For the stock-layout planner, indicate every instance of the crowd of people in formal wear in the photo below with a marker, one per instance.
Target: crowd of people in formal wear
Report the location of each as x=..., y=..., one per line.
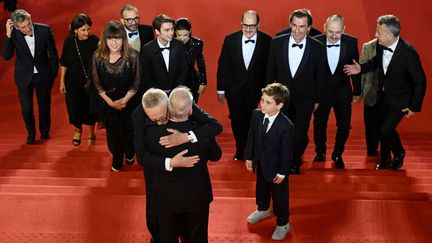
x=142, y=84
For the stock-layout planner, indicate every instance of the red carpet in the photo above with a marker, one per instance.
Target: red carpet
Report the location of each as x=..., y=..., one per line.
x=54, y=192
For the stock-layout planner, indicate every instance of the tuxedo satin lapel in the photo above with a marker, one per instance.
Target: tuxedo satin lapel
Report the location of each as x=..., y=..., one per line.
x=240, y=50
x=305, y=57
x=257, y=46
x=396, y=55
x=21, y=40
x=172, y=57
x=342, y=53
x=159, y=57
x=285, y=54
x=379, y=55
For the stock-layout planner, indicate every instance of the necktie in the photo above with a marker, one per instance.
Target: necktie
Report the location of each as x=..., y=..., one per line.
x=131, y=34
x=335, y=45
x=299, y=45
x=164, y=48
x=386, y=48
x=247, y=41
x=265, y=125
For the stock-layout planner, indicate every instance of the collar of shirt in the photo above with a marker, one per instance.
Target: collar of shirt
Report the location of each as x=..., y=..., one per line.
x=162, y=46
x=337, y=43
x=393, y=46
x=133, y=37
x=292, y=41
x=271, y=119
x=244, y=38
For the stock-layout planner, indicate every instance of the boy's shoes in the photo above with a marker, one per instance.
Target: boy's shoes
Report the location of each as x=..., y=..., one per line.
x=256, y=216
x=281, y=231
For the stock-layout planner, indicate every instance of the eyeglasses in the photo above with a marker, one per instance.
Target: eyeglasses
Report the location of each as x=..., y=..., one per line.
x=250, y=26
x=159, y=121
x=132, y=20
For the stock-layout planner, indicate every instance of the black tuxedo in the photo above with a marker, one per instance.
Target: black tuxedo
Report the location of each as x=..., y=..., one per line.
x=180, y=197
x=242, y=86
x=208, y=129
x=271, y=154
x=403, y=86
x=155, y=73
x=305, y=87
x=46, y=62
x=338, y=93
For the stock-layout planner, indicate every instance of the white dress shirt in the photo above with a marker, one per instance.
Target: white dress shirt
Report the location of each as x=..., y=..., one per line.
x=295, y=55
x=387, y=55
x=30, y=40
x=248, y=49
x=333, y=54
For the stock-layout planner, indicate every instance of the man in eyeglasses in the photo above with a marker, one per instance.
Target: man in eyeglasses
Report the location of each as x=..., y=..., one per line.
x=241, y=75
x=138, y=34
x=36, y=67
x=297, y=61
x=154, y=112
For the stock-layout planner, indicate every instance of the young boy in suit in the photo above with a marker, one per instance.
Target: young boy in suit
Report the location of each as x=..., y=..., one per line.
x=268, y=153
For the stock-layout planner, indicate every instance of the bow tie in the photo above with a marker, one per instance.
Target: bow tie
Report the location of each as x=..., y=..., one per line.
x=164, y=48
x=299, y=45
x=387, y=48
x=335, y=45
x=247, y=41
x=131, y=34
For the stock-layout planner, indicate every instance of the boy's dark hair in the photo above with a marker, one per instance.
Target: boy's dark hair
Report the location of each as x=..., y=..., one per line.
x=160, y=19
x=277, y=91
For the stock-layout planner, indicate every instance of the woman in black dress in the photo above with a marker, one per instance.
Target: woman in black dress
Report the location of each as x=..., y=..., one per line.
x=196, y=79
x=78, y=48
x=116, y=76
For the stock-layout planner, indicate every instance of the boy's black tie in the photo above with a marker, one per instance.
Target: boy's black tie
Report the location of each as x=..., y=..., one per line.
x=265, y=125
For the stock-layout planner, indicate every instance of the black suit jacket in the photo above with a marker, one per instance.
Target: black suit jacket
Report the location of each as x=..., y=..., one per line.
x=339, y=81
x=232, y=76
x=145, y=33
x=155, y=74
x=182, y=189
x=308, y=83
x=271, y=151
x=45, y=60
x=209, y=128
x=405, y=80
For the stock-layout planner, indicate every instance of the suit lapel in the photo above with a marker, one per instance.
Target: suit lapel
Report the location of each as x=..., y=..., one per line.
x=255, y=52
x=20, y=38
x=272, y=131
x=240, y=50
x=172, y=54
x=396, y=55
x=342, y=53
x=285, y=54
x=158, y=56
x=305, y=57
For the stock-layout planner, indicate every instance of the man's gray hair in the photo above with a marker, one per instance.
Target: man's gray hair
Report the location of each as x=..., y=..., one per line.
x=180, y=103
x=19, y=16
x=391, y=22
x=154, y=97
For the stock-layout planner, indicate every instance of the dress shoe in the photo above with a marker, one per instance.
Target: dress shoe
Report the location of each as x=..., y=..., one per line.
x=45, y=136
x=397, y=162
x=319, y=158
x=382, y=164
x=30, y=140
x=339, y=163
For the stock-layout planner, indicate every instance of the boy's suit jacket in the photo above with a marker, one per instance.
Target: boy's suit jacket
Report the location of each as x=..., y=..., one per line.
x=271, y=151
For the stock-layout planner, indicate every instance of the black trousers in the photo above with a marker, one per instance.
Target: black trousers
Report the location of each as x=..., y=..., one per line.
x=43, y=96
x=191, y=226
x=240, y=111
x=279, y=193
x=390, y=119
x=300, y=114
x=342, y=110
x=119, y=133
x=371, y=116
x=151, y=218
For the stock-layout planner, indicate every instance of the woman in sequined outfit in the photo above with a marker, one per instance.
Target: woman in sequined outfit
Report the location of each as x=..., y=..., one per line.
x=196, y=77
